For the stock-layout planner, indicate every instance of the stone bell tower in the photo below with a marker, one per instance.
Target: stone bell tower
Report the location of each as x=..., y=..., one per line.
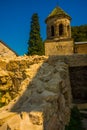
x=59, y=41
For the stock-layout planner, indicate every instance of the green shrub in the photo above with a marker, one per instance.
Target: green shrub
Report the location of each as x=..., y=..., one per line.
x=75, y=120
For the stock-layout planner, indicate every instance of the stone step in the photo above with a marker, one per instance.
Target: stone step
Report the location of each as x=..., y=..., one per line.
x=84, y=113
x=84, y=121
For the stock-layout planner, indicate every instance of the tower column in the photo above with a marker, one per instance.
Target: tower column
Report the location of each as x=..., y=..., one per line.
x=70, y=31
x=65, y=30
x=56, y=31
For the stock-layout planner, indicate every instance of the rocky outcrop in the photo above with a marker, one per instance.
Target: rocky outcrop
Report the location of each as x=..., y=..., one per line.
x=39, y=94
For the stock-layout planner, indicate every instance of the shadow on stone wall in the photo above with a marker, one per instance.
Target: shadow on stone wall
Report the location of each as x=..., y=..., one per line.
x=44, y=99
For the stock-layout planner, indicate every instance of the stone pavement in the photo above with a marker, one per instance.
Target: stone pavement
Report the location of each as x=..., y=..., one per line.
x=84, y=121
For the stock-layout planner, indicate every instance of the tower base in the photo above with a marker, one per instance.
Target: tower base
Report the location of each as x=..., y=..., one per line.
x=59, y=47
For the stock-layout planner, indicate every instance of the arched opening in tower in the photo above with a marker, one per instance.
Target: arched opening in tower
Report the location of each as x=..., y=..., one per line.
x=52, y=30
x=61, y=29
x=68, y=32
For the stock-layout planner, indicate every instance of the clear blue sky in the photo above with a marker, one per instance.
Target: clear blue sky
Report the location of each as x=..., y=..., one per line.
x=15, y=17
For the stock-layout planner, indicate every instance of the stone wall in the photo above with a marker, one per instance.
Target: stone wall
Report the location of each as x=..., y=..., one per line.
x=78, y=75
x=37, y=93
x=81, y=48
x=5, y=51
x=67, y=47
x=74, y=60
x=59, y=47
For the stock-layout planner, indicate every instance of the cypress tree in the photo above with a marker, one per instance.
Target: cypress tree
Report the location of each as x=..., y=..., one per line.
x=35, y=44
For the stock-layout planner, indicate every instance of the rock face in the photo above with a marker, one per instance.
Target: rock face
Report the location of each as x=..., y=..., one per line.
x=39, y=94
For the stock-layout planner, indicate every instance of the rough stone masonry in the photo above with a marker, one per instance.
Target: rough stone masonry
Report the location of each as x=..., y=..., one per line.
x=36, y=92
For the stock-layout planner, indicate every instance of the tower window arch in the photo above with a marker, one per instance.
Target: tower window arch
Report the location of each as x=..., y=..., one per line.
x=52, y=30
x=68, y=28
x=61, y=29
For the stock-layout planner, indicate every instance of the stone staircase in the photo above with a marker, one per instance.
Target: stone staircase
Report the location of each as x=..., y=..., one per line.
x=83, y=110
x=84, y=121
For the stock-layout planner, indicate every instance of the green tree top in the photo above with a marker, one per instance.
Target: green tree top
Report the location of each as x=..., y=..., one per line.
x=35, y=44
x=79, y=33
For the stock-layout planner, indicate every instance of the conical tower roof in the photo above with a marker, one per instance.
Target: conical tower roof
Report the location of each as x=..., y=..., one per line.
x=58, y=12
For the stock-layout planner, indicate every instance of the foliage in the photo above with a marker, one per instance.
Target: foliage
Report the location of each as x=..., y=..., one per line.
x=75, y=120
x=35, y=44
x=79, y=33
x=1, y=104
